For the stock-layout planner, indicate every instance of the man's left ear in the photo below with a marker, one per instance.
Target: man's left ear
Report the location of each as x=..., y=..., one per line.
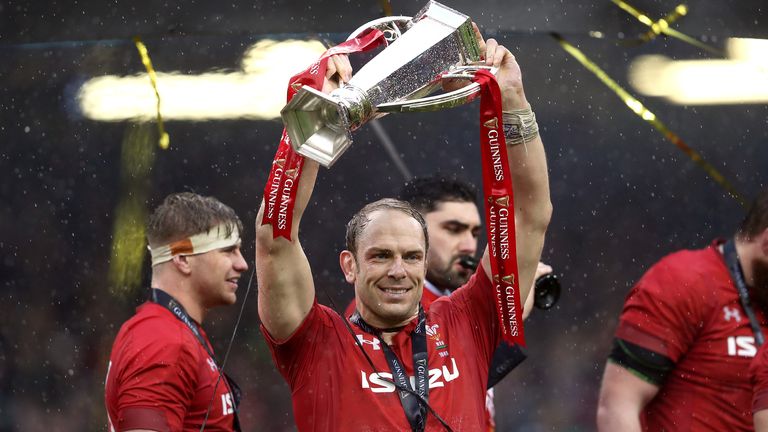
x=181, y=262
x=348, y=265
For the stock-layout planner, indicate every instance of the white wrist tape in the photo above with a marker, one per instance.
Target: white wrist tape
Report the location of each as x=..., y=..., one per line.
x=520, y=126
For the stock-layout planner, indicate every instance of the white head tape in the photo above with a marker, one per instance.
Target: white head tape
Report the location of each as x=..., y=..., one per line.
x=214, y=238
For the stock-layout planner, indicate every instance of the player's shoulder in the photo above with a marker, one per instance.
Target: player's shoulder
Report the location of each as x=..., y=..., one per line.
x=686, y=257
x=155, y=329
x=688, y=264
x=690, y=275
x=325, y=316
x=155, y=317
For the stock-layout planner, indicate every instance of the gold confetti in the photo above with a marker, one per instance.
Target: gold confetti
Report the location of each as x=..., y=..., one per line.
x=164, y=140
x=662, y=26
x=638, y=108
x=386, y=7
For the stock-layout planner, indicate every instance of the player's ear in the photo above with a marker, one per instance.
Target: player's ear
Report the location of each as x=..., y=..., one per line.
x=181, y=262
x=348, y=265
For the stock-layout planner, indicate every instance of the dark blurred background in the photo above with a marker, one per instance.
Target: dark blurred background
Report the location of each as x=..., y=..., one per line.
x=74, y=190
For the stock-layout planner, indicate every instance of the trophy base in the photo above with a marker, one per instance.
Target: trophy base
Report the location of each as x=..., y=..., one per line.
x=317, y=125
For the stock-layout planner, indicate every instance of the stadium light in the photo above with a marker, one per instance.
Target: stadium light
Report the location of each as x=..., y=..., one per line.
x=257, y=91
x=740, y=79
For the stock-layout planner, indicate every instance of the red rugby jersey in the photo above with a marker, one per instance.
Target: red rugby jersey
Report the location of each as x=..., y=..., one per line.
x=687, y=308
x=334, y=388
x=161, y=378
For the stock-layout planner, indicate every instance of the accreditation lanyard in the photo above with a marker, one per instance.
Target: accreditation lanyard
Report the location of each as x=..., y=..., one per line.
x=737, y=274
x=415, y=411
x=165, y=300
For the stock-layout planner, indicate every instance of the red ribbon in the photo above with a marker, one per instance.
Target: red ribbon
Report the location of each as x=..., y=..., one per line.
x=283, y=181
x=499, y=210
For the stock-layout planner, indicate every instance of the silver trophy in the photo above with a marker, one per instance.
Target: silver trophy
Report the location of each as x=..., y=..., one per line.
x=437, y=43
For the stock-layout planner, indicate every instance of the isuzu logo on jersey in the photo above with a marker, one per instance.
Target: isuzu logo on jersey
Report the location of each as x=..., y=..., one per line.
x=227, y=407
x=742, y=346
x=382, y=382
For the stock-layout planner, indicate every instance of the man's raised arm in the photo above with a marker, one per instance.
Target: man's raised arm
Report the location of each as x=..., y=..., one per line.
x=528, y=169
x=286, y=287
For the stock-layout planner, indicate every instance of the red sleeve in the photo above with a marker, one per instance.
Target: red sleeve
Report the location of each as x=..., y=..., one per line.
x=758, y=371
x=664, y=310
x=295, y=355
x=476, y=299
x=158, y=383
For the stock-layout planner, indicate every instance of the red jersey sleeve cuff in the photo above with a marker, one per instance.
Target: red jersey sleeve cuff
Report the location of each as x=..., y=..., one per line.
x=760, y=401
x=142, y=418
x=630, y=333
x=299, y=330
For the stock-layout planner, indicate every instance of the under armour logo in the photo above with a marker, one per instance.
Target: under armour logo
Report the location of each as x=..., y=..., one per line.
x=375, y=342
x=729, y=313
x=212, y=364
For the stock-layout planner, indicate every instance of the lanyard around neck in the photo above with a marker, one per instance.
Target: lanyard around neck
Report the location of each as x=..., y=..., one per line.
x=165, y=300
x=737, y=274
x=415, y=411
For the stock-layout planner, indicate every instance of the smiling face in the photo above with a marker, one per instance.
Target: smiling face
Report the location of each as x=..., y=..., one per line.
x=453, y=229
x=214, y=275
x=388, y=268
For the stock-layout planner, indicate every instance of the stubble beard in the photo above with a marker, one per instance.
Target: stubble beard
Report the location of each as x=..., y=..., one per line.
x=448, y=278
x=385, y=314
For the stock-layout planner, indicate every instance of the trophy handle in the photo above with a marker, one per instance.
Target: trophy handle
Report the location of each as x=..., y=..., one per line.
x=392, y=27
x=441, y=101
